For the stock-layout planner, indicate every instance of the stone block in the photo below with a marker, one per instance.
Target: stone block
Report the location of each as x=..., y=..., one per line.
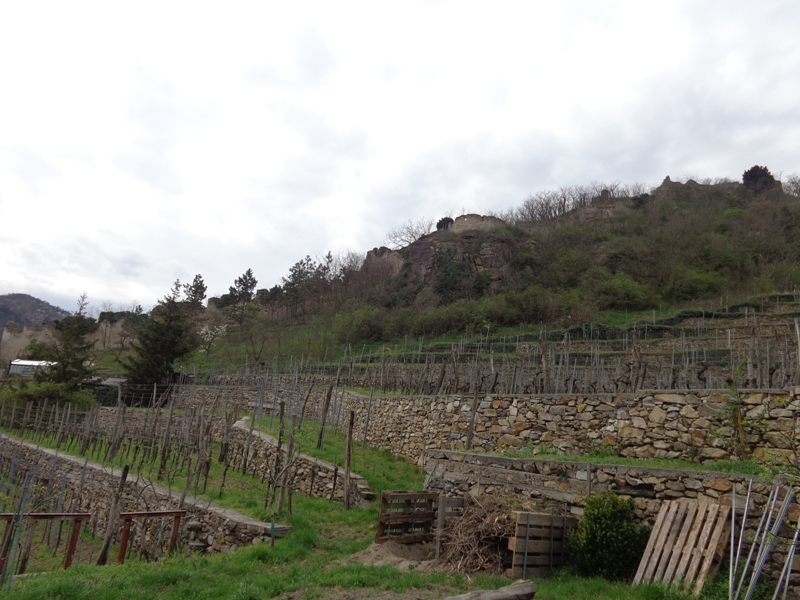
x=670, y=398
x=753, y=398
x=689, y=412
x=629, y=432
x=780, y=412
x=509, y=440
x=719, y=484
x=658, y=415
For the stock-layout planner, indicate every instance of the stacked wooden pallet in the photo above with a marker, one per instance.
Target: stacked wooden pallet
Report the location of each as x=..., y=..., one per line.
x=686, y=544
x=539, y=543
x=407, y=517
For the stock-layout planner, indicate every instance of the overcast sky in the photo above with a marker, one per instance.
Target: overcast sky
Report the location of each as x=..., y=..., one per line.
x=142, y=142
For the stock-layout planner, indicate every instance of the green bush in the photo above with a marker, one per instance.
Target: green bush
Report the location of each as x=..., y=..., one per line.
x=608, y=542
x=621, y=291
x=23, y=391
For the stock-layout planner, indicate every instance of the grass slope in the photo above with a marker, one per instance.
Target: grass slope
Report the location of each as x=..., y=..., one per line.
x=307, y=562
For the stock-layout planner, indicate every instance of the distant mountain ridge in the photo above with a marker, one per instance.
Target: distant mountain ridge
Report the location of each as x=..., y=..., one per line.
x=24, y=309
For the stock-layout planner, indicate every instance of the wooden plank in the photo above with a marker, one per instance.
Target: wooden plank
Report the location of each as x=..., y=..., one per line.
x=518, y=545
x=662, y=514
x=454, y=502
x=688, y=524
x=542, y=532
x=721, y=527
x=697, y=553
x=400, y=528
x=669, y=545
x=409, y=506
x=531, y=572
x=381, y=527
x=542, y=520
x=394, y=496
x=155, y=513
x=537, y=560
x=691, y=541
x=658, y=547
x=414, y=517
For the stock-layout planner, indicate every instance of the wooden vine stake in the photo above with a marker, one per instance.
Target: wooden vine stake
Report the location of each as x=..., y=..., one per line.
x=325, y=408
x=347, y=459
x=111, y=523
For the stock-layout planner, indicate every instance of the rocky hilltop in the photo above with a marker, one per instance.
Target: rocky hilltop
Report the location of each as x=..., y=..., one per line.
x=24, y=309
x=623, y=251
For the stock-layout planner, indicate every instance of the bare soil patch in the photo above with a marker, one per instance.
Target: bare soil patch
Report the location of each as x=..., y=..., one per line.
x=418, y=557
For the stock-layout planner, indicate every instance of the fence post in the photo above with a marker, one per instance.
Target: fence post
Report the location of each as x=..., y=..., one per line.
x=73, y=542
x=123, y=540
x=474, y=410
x=440, y=521
x=173, y=538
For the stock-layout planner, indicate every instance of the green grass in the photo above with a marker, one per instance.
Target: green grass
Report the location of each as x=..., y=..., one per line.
x=375, y=393
x=738, y=467
x=308, y=561
x=382, y=469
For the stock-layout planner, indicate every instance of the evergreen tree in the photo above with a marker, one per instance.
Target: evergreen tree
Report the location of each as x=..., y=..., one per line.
x=70, y=350
x=241, y=292
x=195, y=293
x=244, y=287
x=164, y=339
x=758, y=178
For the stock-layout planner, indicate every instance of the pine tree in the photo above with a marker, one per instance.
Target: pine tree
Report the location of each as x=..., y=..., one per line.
x=70, y=350
x=164, y=339
x=195, y=293
x=241, y=292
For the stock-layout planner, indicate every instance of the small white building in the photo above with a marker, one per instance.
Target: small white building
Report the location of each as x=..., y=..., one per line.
x=27, y=368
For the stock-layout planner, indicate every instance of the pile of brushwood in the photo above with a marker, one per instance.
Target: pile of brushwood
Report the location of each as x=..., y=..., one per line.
x=477, y=540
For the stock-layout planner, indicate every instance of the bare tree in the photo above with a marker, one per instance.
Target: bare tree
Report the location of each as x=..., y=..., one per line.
x=792, y=184
x=106, y=320
x=408, y=232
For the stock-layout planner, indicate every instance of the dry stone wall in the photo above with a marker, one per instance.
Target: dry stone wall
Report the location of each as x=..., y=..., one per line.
x=569, y=482
x=309, y=475
x=683, y=425
x=206, y=526
x=689, y=425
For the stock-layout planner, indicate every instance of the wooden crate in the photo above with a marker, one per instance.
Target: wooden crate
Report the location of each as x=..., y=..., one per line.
x=407, y=517
x=539, y=543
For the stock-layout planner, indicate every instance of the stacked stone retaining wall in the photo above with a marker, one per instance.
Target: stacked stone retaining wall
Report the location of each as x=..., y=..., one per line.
x=308, y=475
x=689, y=425
x=570, y=482
x=206, y=526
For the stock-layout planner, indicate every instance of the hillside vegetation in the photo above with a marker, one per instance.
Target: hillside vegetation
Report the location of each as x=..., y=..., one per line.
x=599, y=255
x=23, y=309
x=562, y=257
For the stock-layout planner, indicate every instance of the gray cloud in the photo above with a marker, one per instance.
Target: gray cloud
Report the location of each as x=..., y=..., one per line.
x=710, y=90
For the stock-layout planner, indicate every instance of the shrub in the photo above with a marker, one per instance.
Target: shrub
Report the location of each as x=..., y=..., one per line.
x=444, y=223
x=608, y=542
x=621, y=291
x=758, y=178
x=22, y=391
